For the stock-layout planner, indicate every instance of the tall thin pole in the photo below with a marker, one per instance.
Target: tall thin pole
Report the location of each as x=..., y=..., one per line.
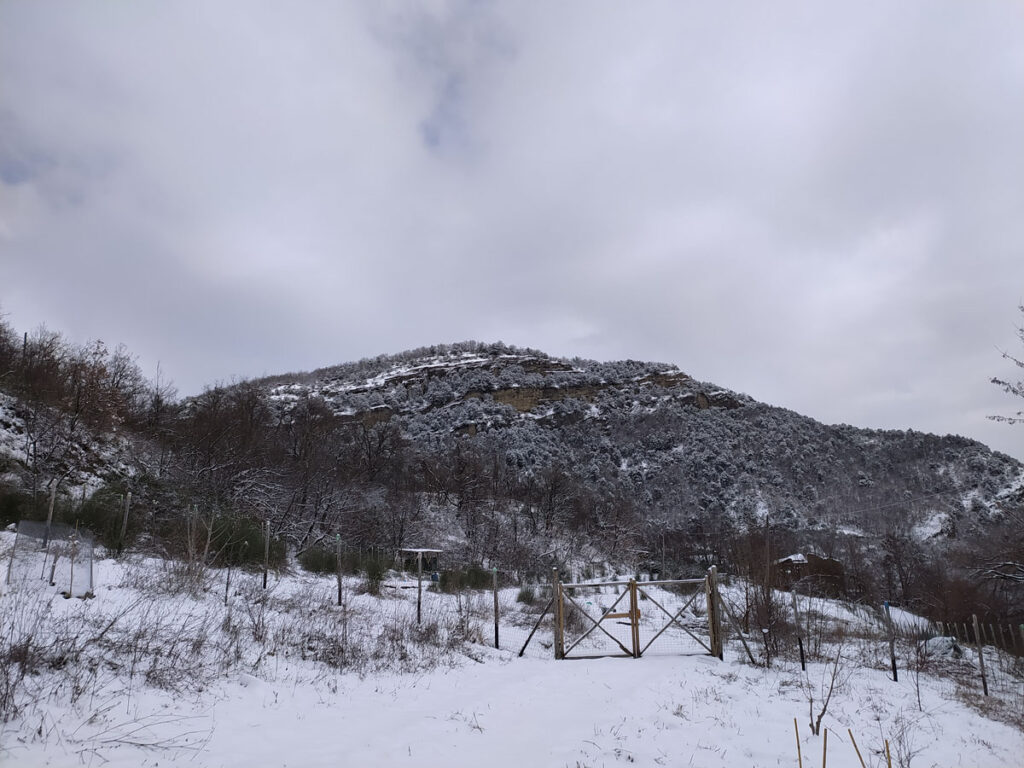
x=799, y=631
x=892, y=643
x=266, y=553
x=49, y=516
x=981, y=655
x=419, y=587
x=495, y=607
x=337, y=555
x=713, y=611
x=71, y=579
x=556, y=596
x=124, y=521
x=10, y=565
x=664, y=566
x=634, y=618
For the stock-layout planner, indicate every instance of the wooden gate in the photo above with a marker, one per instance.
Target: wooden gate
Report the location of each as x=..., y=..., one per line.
x=671, y=616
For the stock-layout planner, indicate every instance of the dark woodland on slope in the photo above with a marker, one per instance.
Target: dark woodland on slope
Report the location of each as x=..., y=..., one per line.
x=508, y=458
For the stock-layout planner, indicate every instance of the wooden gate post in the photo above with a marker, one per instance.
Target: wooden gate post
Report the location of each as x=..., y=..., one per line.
x=714, y=614
x=634, y=618
x=556, y=596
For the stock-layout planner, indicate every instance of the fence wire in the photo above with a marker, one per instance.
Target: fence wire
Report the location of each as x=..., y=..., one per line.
x=54, y=556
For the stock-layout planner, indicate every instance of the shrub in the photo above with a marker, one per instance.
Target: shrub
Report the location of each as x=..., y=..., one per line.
x=527, y=595
x=574, y=621
x=351, y=563
x=473, y=577
x=240, y=542
x=375, y=570
x=103, y=513
x=319, y=560
x=14, y=506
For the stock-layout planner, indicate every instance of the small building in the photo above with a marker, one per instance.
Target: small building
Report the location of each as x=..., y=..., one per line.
x=810, y=573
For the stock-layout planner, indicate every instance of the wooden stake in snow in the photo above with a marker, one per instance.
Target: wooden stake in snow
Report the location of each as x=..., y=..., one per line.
x=981, y=655
x=799, y=757
x=824, y=749
x=495, y=571
x=856, y=748
x=888, y=757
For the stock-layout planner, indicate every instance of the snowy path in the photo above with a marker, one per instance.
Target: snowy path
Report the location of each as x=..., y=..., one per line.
x=525, y=712
x=513, y=713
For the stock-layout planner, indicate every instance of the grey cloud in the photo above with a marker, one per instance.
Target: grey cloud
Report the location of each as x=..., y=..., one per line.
x=816, y=205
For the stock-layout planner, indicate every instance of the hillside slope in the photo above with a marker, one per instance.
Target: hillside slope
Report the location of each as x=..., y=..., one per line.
x=686, y=451
x=510, y=457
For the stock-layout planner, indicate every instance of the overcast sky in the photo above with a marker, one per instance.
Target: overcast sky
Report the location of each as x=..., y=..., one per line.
x=820, y=207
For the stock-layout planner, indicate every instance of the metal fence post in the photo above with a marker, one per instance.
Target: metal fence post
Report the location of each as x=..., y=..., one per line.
x=981, y=655
x=266, y=553
x=714, y=613
x=495, y=572
x=419, y=587
x=892, y=642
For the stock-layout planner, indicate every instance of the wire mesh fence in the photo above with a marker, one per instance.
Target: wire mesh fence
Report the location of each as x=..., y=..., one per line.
x=978, y=658
x=52, y=556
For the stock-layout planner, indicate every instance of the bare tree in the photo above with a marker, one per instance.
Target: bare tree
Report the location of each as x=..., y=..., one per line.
x=1007, y=562
x=833, y=677
x=1012, y=387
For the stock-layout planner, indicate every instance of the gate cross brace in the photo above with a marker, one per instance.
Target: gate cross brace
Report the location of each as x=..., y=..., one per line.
x=673, y=620
x=597, y=625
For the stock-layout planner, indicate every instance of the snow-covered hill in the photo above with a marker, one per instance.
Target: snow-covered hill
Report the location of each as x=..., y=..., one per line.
x=683, y=450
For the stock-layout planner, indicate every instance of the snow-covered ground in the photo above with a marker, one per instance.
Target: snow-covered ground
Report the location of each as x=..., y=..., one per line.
x=263, y=687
